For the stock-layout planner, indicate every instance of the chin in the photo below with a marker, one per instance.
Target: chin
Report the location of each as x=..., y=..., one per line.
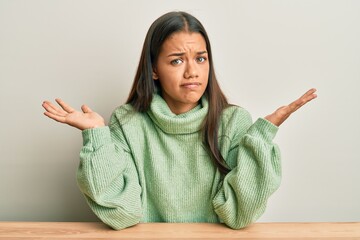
x=192, y=99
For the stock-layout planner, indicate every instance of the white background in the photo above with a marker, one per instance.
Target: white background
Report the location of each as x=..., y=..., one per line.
x=266, y=54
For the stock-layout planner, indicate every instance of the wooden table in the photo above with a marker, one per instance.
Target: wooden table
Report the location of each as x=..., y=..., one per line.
x=94, y=230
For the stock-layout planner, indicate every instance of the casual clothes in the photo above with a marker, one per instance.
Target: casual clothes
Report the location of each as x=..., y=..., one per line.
x=153, y=167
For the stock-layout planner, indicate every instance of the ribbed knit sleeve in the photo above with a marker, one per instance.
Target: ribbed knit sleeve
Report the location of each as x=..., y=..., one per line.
x=108, y=178
x=245, y=190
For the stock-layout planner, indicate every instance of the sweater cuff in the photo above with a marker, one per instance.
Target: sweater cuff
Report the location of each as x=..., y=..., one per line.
x=96, y=137
x=264, y=129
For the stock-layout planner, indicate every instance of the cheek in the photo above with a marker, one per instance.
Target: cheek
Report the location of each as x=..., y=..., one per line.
x=171, y=74
x=168, y=80
x=206, y=74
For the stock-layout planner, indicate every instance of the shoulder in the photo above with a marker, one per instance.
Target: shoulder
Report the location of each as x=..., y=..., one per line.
x=124, y=114
x=123, y=110
x=235, y=114
x=234, y=122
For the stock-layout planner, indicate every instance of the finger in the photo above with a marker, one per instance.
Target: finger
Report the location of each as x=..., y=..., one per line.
x=86, y=109
x=307, y=97
x=311, y=94
x=51, y=108
x=55, y=117
x=65, y=106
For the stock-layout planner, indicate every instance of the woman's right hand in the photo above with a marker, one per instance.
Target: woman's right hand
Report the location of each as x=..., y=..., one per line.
x=66, y=114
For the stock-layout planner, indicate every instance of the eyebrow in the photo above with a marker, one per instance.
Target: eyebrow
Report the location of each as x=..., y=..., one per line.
x=182, y=53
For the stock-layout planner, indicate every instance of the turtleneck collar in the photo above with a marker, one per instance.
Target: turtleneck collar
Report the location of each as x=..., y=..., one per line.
x=171, y=123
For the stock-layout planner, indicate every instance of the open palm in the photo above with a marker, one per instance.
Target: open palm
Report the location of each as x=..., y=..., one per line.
x=68, y=115
x=282, y=113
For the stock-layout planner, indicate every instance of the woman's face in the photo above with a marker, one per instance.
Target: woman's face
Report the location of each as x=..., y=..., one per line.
x=182, y=68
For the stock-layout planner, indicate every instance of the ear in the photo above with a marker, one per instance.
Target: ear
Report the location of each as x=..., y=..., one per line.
x=154, y=74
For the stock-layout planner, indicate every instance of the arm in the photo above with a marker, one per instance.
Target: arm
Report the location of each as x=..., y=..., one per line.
x=108, y=179
x=245, y=190
x=106, y=175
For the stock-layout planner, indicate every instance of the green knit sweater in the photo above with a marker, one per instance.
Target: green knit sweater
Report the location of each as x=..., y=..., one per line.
x=153, y=167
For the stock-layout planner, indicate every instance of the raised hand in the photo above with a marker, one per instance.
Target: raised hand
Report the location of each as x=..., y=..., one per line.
x=282, y=113
x=66, y=114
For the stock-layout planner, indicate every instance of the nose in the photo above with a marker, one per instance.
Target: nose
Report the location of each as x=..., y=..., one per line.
x=190, y=71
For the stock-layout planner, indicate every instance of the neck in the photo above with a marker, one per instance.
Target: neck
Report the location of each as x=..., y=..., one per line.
x=188, y=122
x=180, y=109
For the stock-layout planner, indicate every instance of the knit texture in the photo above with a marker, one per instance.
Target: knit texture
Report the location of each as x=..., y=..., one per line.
x=153, y=167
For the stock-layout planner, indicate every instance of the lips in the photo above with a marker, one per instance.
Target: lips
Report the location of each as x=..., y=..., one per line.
x=191, y=84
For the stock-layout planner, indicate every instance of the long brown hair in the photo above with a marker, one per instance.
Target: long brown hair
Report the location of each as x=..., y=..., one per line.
x=144, y=86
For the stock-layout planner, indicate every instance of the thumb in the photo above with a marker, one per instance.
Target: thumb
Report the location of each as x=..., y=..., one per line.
x=86, y=109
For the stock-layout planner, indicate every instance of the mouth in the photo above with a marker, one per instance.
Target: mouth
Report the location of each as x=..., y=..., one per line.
x=191, y=85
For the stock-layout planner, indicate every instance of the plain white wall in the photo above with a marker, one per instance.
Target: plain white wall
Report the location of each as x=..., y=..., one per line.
x=267, y=53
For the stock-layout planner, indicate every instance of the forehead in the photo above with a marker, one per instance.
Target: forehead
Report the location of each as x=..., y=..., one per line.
x=182, y=41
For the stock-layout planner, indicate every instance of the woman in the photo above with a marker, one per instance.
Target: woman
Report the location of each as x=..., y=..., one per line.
x=177, y=151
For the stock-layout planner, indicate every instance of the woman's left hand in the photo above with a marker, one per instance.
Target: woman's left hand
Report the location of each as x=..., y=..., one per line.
x=282, y=113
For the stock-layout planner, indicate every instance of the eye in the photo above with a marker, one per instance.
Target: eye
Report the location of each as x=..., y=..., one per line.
x=201, y=59
x=176, y=62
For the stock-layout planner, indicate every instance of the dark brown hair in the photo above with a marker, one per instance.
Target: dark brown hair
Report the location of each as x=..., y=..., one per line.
x=144, y=86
